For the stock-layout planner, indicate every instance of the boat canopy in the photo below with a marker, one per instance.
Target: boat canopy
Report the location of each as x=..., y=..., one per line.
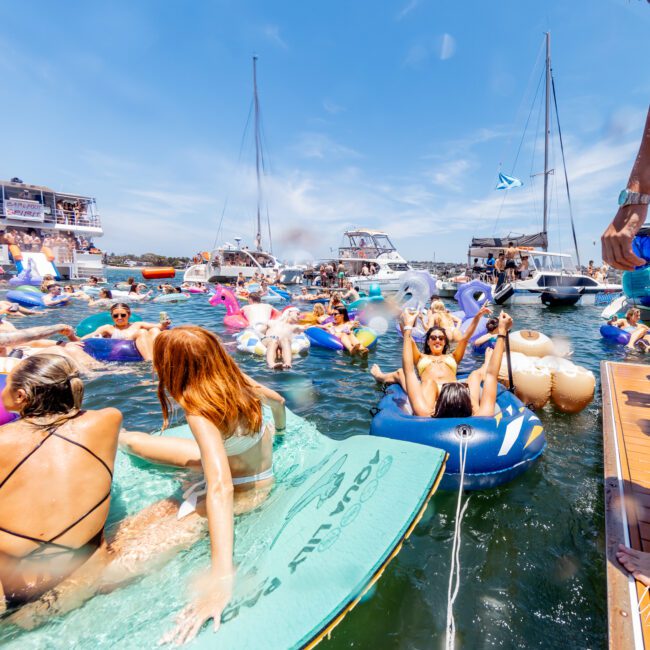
x=537, y=240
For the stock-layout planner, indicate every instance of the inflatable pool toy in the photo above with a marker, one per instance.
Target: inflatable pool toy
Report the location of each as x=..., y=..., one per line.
x=615, y=334
x=323, y=339
x=171, y=297
x=569, y=387
x=195, y=290
x=91, y=323
x=250, y=341
x=285, y=295
x=158, y=273
x=500, y=447
x=234, y=317
x=531, y=343
x=338, y=514
x=374, y=296
x=415, y=290
x=112, y=350
x=29, y=288
x=573, y=388
x=472, y=296
x=33, y=299
x=27, y=276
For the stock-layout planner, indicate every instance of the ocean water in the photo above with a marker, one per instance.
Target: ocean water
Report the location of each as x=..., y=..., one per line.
x=532, y=552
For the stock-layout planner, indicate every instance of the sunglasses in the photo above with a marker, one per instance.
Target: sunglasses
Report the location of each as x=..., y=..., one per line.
x=114, y=316
x=437, y=337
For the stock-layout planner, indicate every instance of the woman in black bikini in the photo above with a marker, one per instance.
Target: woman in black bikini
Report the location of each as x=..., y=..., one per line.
x=52, y=514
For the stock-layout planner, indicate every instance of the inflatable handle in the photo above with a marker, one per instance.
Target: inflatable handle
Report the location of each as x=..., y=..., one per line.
x=465, y=296
x=112, y=350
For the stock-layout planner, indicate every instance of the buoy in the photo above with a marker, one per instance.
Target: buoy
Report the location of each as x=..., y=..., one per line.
x=531, y=343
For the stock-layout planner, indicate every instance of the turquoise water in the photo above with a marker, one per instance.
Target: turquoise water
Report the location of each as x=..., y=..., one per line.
x=532, y=551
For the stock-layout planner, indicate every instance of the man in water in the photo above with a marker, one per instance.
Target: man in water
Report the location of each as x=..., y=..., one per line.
x=257, y=313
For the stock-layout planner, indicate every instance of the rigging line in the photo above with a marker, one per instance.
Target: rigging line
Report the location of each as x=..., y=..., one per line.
x=523, y=135
x=223, y=212
x=521, y=141
x=566, y=177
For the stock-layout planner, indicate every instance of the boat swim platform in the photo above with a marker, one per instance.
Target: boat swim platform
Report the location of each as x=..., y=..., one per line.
x=626, y=442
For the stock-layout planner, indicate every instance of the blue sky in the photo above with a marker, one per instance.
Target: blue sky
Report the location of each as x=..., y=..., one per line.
x=392, y=115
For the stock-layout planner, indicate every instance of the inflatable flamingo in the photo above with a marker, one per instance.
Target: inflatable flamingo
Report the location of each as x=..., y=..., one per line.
x=234, y=317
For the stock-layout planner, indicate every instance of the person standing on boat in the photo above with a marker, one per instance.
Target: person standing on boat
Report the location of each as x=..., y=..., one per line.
x=632, y=212
x=523, y=269
x=500, y=268
x=511, y=265
x=489, y=267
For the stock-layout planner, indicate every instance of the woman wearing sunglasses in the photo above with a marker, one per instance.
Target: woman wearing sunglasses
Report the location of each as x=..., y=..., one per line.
x=436, y=364
x=142, y=333
x=454, y=399
x=343, y=329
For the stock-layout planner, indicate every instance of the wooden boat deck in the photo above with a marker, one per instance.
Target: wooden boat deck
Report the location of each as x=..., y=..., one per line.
x=626, y=441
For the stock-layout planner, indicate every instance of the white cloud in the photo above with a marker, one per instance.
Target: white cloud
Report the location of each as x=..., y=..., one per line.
x=407, y=9
x=320, y=146
x=272, y=33
x=332, y=107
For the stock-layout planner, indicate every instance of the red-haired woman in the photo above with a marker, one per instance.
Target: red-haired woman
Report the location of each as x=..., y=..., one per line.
x=231, y=445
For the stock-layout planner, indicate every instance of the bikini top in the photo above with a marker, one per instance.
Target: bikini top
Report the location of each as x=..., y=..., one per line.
x=236, y=445
x=45, y=543
x=426, y=360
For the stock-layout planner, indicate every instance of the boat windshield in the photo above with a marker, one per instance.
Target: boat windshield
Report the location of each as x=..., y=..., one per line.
x=366, y=245
x=553, y=263
x=243, y=257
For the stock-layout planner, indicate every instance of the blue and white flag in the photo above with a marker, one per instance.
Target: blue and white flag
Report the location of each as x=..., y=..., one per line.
x=507, y=182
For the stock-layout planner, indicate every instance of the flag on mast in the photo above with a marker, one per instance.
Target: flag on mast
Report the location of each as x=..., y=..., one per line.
x=507, y=182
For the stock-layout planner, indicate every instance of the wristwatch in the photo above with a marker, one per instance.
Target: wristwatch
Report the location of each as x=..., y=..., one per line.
x=626, y=197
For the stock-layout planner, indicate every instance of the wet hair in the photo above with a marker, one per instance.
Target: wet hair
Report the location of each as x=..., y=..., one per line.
x=344, y=312
x=107, y=294
x=255, y=296
x=425, y=346
x=120, y=305
x=130, y=280
x=133, y=288
x=51, y=384
x=438, y=305
x=195, y=370
x=454, y=401
x=491, y=324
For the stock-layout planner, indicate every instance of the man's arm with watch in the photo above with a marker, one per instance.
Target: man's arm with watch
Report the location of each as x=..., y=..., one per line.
x=633, y=209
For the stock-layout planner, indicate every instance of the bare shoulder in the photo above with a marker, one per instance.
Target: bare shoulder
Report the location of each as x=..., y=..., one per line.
x=110, y=417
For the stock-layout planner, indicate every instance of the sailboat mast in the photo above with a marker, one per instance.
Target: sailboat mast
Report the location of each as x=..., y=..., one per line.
x=547, y=128
x=256, y=103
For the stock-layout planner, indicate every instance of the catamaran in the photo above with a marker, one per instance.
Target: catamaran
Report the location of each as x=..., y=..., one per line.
x=550, y=276
x=48, y=231
x=226, y=263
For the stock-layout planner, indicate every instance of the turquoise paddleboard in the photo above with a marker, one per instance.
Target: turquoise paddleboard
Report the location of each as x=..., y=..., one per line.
x=337, y=515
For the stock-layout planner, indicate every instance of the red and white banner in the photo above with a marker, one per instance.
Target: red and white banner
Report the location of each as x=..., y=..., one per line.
x=25, y=209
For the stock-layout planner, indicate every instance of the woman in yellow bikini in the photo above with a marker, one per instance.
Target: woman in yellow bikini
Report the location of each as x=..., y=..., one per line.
x=435, y=364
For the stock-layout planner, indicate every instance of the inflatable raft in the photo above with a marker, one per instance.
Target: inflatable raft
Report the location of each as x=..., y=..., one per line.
x=338, y=514
x=500, y=447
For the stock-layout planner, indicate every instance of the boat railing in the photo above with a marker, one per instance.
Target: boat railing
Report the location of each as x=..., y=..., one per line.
x=61, y=217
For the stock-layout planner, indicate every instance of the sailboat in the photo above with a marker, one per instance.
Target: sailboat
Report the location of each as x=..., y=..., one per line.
x=226, y=263
x=551, y=278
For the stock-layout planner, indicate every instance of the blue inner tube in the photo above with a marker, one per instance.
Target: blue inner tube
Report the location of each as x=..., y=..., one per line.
x=89, y=324
x=26, y=298
x=500, y=447
x=323, y=339
x=615, y=334
x=112, y=350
